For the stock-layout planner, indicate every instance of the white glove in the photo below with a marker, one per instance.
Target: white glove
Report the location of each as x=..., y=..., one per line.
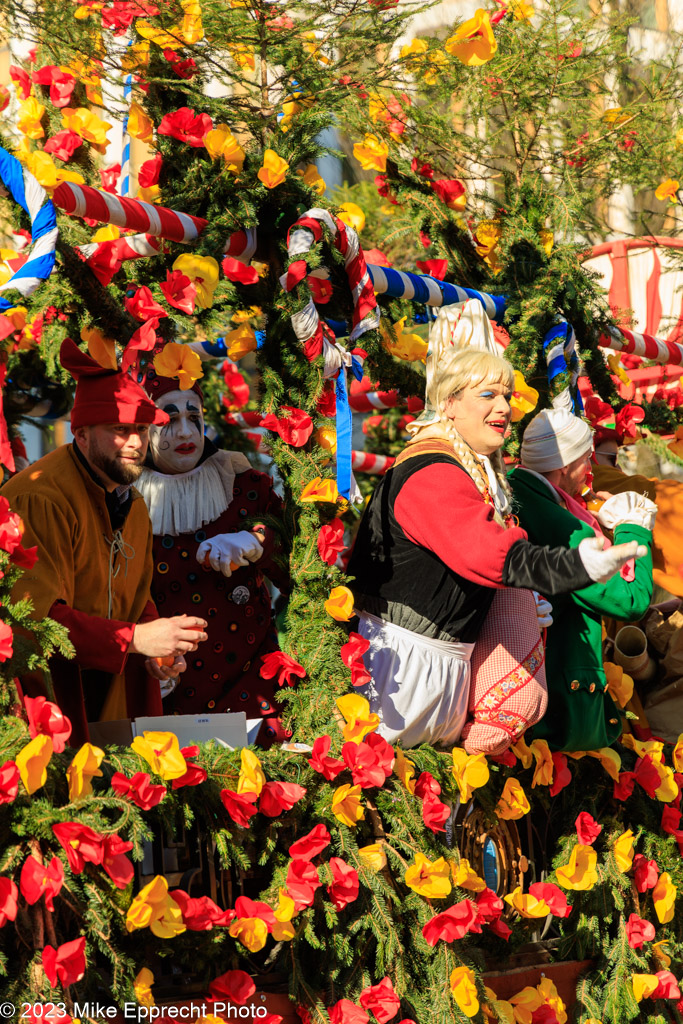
x=167, y=686
x=544, y=611
x=228, y=551
x=628, y=507
x=602, y=563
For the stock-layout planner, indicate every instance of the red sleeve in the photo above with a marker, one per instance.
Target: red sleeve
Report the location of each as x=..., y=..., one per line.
x=440, y=508
x=100, y=643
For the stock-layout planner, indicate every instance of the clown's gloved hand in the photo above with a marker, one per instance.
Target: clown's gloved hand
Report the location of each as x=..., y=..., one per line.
x=600, y=563
x=544, y=611
x=229, y=551
x=628, y=507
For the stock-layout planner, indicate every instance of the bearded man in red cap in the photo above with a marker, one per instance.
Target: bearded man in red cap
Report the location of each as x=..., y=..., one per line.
x=94, y=566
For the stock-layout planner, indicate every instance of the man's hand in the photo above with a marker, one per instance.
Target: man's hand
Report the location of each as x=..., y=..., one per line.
x=163, y=672
x=163, y=637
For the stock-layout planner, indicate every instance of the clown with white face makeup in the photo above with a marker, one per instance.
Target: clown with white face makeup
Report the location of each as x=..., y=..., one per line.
x=211, y=552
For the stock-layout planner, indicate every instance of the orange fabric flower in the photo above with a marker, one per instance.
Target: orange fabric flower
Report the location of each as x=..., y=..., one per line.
x=274, y=169
x=359, y=719
x=473, y=42
x=340, y=604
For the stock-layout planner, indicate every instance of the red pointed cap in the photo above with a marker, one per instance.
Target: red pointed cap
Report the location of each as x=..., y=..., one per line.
x=105, y=396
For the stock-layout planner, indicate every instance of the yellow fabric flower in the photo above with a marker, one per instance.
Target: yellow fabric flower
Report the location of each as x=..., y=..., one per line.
x=523, y=752
x=340, y=604
x=274, y=169
x=371, y=153
x=326, y=437
x=346, y=805
x=546, y=989
x=89, y=126
x=473, y=42
x=203, y=272
x=580, y=873
x=311, y=177
x=159, y=36
x=405, y=770
x=30, y=114
x=101, y=348
x=520, y=10
x=242, y=55
x=526, y=1003
x=470, y=771
x=644, y=748
x=614, y=363
x=151, y=194
x=619, y=685
x=358, y=717
x=140, y=126
x=524, y=398
x=623, y=851
x=251, y=778
x=221, y=142
x=320, y=489
x=142, y=986
x=32, y=761
x=373, y=857
x=513, y=803
x=667, y=190
x=464, y=990
x=667, y=790
x=190, y=28
x=283, y=929
x=252, y=932
x=664, y=898
x=43, y=168
x=609, y=759
x=545, y=768
x=179, y=361
x=84, y=767
x=466, y=877
x=162, y=753
x=155, y=909
x=107, y=233
x=409, y=347
x=527, y=905
x=352, y=215
x=644, y=985
x=429, y=878
x=659, y=950
x=132, y=59
x=240, y=340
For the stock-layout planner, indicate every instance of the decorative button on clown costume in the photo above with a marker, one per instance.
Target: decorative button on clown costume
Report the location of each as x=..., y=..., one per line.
x=203, y=503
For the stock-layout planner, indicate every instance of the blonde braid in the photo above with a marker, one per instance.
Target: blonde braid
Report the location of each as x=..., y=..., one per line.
x=498, y=464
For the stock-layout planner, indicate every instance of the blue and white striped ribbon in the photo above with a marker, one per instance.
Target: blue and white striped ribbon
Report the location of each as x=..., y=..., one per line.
x=559, y=346
x=31, y=196
x=402, y=285
x=124, y=189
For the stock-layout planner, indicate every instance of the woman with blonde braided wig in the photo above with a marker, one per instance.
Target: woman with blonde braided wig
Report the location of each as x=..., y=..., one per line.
x=437, y=542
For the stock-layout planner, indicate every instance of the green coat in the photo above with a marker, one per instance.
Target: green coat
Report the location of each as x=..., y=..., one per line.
x=580, y=715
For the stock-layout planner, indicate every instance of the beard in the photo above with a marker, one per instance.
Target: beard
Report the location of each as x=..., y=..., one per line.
x=119, y=472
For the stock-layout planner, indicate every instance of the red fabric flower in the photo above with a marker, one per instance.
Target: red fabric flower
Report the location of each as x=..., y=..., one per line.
x=645, y=872
x=61, y=83
x=9, y=895
x=353, y=650
x=330, y=767
x=302, y=881
x=195, y=774
x=330, y=545
x=80, y=843
x=364, y=764
x=426, y=783
x=668, y=986
x=6, y=638
x=345, y=886
x=237, y=986
x=149, y=172
x=647, y=775
x=11, y=528
x=346, y=1012
x=25, y=558
x=448, y=190
x=434, y=812
x=239, y=272
x=183, y=68
x=597, y=410
x=627, y=419
x=110, y=177
x=310, y=845
x=489, y=906
x=327, y=402
x=46, y=719
x=65, y=964
x=377, y=258
x=240, y=806
x=179, y=291
x=384, y=751
x=453, y=923
x=143, y=340
x=115, y=862
x=561, y=774
x=22, y=82
x=143, y=305
x=587, y=828
x=624, y=787
x=277, y=797
x=200, y=914
x=138, y=789
x=381, y=1000
x=37, y=878
x=244, y=907
x=435, y=268
x=280, y=664
x=237, y=394
x=321, y=290
x=63, y=144
x=9, y=782
x=186, y=126
x=553, y=896
x=502, y=930
x=295, y=427
x=671, y=817
x=638, y=931
x=425, y=170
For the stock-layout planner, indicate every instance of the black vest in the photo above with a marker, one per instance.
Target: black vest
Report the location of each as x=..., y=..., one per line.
x=406, y=584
